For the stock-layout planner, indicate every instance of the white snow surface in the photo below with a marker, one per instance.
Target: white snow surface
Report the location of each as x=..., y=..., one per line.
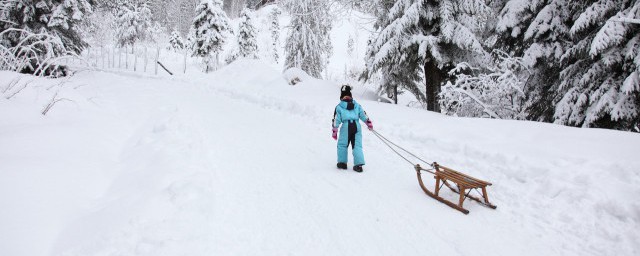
x=238, y=162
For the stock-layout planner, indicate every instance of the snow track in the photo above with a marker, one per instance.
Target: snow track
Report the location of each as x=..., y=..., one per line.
x=240, y=163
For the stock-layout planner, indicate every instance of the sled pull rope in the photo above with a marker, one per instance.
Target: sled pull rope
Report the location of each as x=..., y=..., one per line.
x=389, y=143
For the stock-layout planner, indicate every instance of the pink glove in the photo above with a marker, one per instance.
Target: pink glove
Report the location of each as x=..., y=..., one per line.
x=335, y=133
x=369, y=125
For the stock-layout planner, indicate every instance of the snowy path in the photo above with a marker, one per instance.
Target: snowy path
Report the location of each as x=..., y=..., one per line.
x=239, y=164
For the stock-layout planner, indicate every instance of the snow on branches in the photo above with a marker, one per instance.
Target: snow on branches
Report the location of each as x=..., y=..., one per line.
x=495, y=92
x=210, y=27
x=247, y=42
x=308, y=44
x=133, y=19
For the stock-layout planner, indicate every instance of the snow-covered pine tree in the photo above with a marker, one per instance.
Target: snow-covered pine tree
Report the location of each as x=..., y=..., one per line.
x=175, y=41
x=308, y=44
x=57, y=18
x=209, y=28
x=133, y=19
x=274, y=28
x=34, y=34
x=247, y=41
x=419, y=39
x=600, y=79
x=538, y=31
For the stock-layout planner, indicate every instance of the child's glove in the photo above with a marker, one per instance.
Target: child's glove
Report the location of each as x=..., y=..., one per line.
x=335, y=133
x=369, y=125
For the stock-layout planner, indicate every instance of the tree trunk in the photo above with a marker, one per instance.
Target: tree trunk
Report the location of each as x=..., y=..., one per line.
x=395, y=94
x=433, y=80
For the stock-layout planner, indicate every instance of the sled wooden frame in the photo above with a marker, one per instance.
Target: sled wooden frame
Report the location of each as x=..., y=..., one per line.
x=462, y=182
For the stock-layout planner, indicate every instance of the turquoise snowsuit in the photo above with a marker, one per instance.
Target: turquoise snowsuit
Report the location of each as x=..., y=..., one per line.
x=350, y=132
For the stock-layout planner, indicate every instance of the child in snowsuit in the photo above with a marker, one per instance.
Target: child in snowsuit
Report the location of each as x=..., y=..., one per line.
x=347, y=114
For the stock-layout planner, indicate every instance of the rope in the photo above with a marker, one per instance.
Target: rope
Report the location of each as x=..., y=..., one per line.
x=389, y=143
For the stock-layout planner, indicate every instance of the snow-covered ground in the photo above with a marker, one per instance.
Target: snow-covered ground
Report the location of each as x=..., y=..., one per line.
x=241, y=163
x=238, y=162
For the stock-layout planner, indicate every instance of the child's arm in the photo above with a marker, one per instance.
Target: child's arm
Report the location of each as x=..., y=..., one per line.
x=363, y=115
x=365, y=118
x=335, y=123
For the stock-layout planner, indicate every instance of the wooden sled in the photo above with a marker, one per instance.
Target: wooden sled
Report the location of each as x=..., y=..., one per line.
x=462, y=183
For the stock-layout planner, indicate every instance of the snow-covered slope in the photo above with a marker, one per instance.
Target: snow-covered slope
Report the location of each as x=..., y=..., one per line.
x=241, y=163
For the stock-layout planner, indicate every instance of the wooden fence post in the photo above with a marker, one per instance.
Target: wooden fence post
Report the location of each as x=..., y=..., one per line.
x=157, y=59
x=184, y=67
x=126, y=58
x=120, y=57
x=146, y=58
x=135, y=62
x=102, y=55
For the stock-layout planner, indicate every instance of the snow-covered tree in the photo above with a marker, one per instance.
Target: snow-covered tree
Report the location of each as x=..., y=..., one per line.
x=35, y=34
x=274, y=28
x=156, y=33
x=234, y=7
x=60, y=19
x=247, y=42
x=419, y=39
x=209, y=32
x=600, y=79
x=176, y=42
x=133, y=19
x=308, y=44
x=539, y=32
x=494, y=91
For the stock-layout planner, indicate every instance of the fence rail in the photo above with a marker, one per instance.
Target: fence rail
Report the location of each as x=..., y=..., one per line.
x=136, y=58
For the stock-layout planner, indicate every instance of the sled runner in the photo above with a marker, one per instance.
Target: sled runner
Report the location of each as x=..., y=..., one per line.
x=463, y=182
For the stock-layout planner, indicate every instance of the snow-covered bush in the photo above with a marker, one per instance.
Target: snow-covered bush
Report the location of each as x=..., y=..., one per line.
x=37, y=53
x=295, y=75
x=495, y=92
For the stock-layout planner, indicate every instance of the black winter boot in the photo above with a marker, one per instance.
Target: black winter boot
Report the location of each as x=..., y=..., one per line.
x=358, y=168
x=342, y=166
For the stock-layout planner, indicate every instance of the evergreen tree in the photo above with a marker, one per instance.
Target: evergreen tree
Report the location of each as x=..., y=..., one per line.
x=308, y=44
x=247, y=42
x=133, y=19
x=209, y=28
x=539, y=31
x=175, y=41
x=600, y=80
x=274, y=28
x=418, y=39
x=57, y=18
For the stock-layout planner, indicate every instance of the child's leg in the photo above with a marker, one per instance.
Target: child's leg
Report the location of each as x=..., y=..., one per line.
x=358, y=155
x=343, y=143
